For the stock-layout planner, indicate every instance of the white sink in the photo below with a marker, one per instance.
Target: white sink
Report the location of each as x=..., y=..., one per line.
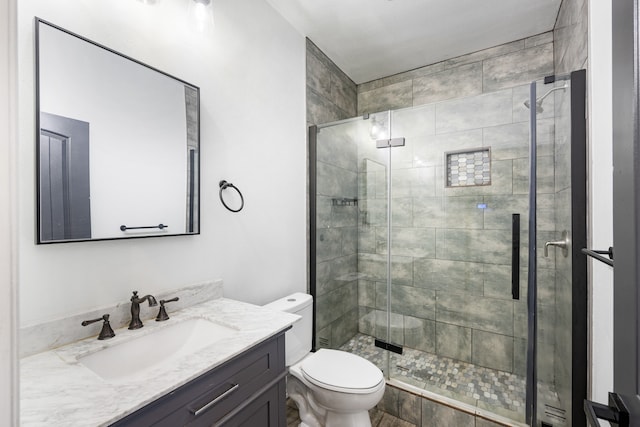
x=135, y=358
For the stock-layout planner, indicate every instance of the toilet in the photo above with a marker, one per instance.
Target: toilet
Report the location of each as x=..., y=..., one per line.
x=331, y=388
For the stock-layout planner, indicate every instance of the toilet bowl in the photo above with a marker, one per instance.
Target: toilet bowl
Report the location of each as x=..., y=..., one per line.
x=331, y=388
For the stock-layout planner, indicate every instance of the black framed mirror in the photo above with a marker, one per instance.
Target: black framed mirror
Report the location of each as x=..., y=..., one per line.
x=117, y=144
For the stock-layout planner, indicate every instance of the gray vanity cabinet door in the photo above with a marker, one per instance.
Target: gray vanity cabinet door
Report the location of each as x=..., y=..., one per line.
x=247, y=387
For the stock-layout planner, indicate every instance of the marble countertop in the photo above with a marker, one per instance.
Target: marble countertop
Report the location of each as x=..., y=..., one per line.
x=56, y=390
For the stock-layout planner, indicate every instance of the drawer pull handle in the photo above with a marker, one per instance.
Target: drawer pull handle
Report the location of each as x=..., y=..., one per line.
x=229, y=391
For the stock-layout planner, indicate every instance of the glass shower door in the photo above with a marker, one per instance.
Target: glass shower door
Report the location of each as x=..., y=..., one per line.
x=560, y=353
x=459, y=196
x=351, y=224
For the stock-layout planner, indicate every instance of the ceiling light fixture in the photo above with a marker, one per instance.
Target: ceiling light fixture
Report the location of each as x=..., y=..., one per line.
x=201, y=12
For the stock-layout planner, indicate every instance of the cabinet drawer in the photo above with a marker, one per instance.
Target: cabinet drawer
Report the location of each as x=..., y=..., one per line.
x=217, y=392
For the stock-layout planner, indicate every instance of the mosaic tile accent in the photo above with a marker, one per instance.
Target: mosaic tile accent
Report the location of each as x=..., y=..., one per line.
x=503, y=392
x=469, y=168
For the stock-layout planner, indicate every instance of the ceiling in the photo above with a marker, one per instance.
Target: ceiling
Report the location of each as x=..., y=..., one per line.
x=370, y=39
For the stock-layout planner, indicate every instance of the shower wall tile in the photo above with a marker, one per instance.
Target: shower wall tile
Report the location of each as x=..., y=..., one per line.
x=336, y=182
x=328, y=243
x=414, y=182
x=344, y=216
x=389, y=401
x=331, y=94
x=520, y=318
x=543, y=38
x=458, y=82
x=487, y=314
x=500, y=209
x=379, y=320
x=490, y=109
x=335, y=304
x=366, y=293
x=450, y=276
x=518, y=68
x=484, y=54
x=397, y=95
x=453, y=341
x=321, y=110
x=402, y=211
x=563, y=160
x=429, y=212
x=410, y=408
x=334, y=273
x=492, y=350
x=408, y=242
x=545, y=175
x=318, y=74
x=496, y=281
x=344, y=328
x=570, y=35
x=435, y=414
x=366, y=238
x=510, y=141
x=373, y=267
x=349, y=240
x=420, y=334
x=414, y=302
x=401, y=77
x=488, y=246
x=323, y=211
x=413, y=122
x=463, y=212
x=344, y=93
x=338, y=148
x=366, y=323
x=373, y=212
x=520, y=356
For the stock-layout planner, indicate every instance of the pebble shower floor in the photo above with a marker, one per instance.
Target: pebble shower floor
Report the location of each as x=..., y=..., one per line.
x=489, y=388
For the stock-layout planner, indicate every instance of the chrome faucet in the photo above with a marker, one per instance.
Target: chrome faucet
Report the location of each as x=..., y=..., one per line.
x=136, y=323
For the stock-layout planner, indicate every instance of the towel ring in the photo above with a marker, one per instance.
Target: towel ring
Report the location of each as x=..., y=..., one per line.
x=223, y=186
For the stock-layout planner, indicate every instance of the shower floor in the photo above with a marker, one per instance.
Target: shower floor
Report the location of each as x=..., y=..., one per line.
x=500, y=392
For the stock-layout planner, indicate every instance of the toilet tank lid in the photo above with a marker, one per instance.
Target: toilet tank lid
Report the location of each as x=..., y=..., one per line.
x=291, y=303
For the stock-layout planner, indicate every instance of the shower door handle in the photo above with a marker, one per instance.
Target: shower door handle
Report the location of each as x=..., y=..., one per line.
x=515, y=256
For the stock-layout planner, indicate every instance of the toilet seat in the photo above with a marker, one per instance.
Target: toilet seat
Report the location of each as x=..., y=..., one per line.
x=342, y=372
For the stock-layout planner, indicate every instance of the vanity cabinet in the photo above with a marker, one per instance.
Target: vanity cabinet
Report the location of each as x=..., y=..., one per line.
x=248, y=390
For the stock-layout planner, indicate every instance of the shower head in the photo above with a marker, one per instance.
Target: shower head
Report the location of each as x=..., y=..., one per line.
x=539, y=100
x=539, y=108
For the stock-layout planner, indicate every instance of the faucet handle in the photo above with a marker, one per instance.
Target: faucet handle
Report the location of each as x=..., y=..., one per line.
x=162, y=313
x=106, y=331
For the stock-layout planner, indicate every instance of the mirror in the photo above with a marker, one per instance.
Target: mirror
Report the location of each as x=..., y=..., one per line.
x=117, y=144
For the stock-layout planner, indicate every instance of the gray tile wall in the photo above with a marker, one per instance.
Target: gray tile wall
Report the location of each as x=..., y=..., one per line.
x=419, y=411
x=331, y=96
x=500, y=67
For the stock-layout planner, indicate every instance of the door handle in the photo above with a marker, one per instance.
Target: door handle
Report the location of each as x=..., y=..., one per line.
x=564, y=244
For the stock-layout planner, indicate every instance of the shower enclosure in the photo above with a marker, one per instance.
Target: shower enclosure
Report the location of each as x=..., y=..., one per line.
x=421, y=255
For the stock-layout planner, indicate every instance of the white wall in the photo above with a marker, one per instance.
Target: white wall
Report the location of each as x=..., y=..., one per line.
x=8, y=253
x=251, y=71
x=600, y=196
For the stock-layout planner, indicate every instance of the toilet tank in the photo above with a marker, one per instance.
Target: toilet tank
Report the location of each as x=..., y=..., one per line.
x=298, y=338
